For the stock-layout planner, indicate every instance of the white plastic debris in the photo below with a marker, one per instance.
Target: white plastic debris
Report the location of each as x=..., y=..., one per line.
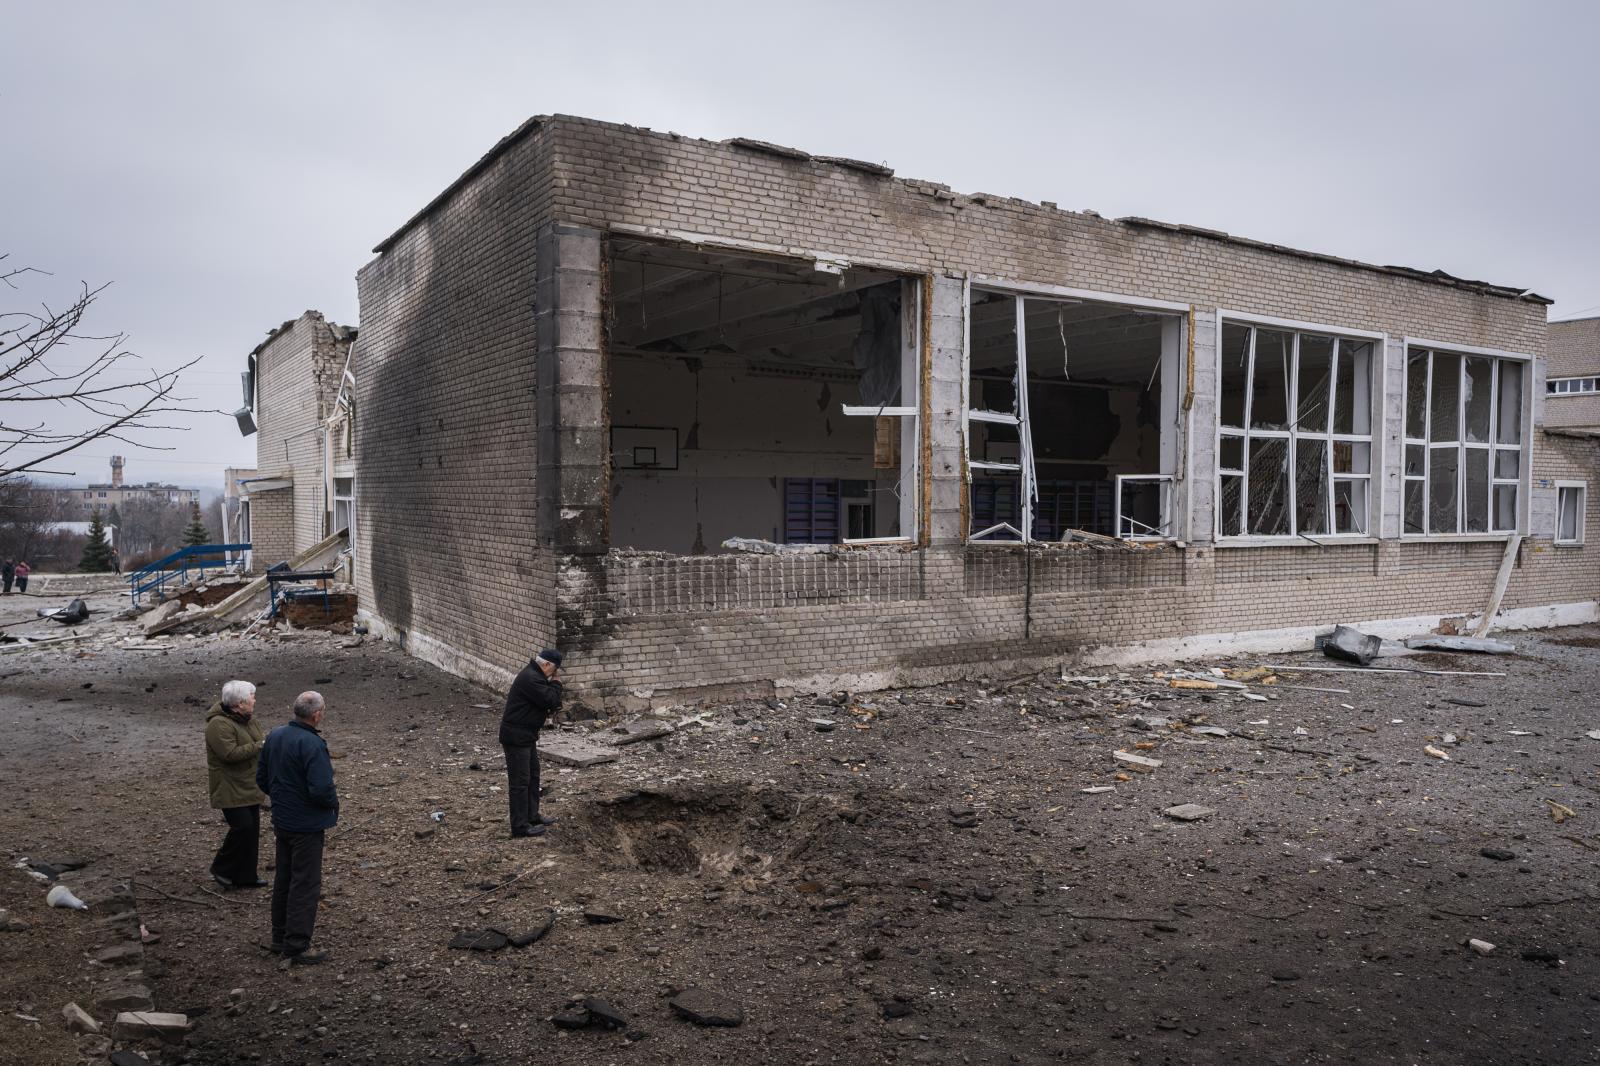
x=61, y=896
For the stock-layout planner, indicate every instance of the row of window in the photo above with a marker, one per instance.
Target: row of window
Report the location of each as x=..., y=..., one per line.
x=1566, y=386
x=1295, y=443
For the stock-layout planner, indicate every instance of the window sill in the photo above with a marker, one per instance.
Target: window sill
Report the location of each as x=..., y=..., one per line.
x=1323, y=540
x=1457, y=538
x=1568, y=543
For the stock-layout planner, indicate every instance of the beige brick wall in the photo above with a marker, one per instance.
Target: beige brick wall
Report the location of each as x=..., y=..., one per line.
x=448, y=447
x=271, y=528
x=297, y=377
x=445, y=427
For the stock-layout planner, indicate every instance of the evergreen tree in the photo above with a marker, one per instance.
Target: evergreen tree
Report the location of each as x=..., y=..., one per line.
x=196, y=533
x=97, y=553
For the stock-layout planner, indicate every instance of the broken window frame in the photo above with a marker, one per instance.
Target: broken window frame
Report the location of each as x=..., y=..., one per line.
x=1460, y=446
x=908, y=411
x=1022, y=292
x=1292, y=436
x=1578, y=492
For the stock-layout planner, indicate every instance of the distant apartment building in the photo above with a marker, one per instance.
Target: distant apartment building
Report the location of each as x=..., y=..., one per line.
x=78, y=503
x=304, y=421
x=1573, y=386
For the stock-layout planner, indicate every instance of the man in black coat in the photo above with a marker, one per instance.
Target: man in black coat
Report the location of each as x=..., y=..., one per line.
x=534, y=694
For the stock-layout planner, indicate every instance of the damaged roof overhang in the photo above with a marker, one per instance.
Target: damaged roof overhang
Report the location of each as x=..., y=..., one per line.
x=795, y=155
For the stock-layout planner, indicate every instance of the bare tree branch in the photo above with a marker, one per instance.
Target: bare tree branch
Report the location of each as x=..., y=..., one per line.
x=126, y=411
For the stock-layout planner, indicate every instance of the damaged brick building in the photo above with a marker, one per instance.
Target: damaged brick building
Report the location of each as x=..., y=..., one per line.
x=726, y=417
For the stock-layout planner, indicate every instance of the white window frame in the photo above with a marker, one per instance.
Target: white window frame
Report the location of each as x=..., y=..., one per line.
x=909, y=412
x=1523, y=447
x=1582, y=489
x=1373, y=437
x=1021, y=292
x=1572, y=386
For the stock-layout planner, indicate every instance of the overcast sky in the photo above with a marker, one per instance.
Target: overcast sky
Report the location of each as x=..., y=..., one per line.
x=227, y=166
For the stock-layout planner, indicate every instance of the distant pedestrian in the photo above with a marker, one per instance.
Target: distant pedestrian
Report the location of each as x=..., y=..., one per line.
x=233, y=746
x=22, y=576
x=116, y=562
x=534, y=694
x=297, y=774
x=9, y=573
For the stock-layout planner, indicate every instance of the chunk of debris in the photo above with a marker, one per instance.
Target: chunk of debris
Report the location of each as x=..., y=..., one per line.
x=1141, y=763
x=1429, y=749
x=1497, y=854
x=637, y=729
x=536, y=934
x=565, y=750
x=1352, y=646
x=706, y=1008
x=1560, y=812
x=1189, y=812
x=600, y=916
x=823, y=725
x=136, y=1024
x=78, y=1019
x=604, y=1014
x=479, y=940
x=1593, y=734
x=1210, y=731
x=1479, y=645
x=1191, y=682
x=1482, y=947
x=1095, y=790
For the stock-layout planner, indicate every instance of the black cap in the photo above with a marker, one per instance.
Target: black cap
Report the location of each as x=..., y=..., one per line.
x=551, y=656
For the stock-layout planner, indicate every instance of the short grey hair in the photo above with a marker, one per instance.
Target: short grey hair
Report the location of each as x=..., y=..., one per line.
x=307, y=704
x=235, y=693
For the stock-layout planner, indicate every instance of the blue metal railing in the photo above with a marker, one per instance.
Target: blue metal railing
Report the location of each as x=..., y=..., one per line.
x=176, y=567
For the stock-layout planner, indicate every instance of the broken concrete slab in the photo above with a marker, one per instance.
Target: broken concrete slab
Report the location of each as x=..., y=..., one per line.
x=1189, y=812
x=1142, y=763
x=565, y=750
x=137, y=1024
x=130, y=997
x=637, y=729
x=1478, y=645
x=1210, y=731
x=823, y=725
x=706, y=1008
x=1095, y=790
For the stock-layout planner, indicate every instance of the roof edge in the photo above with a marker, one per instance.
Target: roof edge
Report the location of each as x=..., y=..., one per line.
x=527, y=127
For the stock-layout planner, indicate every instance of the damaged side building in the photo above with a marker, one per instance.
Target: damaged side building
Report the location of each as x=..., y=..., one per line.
x=726, y=417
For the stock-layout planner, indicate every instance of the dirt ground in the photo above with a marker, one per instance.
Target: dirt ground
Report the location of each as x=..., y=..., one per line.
x=926, y=882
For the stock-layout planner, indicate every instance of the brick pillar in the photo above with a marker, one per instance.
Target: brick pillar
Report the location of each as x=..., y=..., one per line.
x=573, y=463
x=945, y=385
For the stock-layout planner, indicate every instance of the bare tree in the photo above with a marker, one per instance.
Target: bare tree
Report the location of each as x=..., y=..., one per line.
x=28, y=514
x=42, y=396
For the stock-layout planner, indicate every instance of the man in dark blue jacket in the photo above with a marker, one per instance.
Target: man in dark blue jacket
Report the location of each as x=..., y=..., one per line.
x=534, y=694
x=296, y=772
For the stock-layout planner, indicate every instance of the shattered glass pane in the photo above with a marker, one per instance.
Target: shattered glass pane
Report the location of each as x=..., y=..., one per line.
x=1232, y=489
x=1445, y=415
x=1477, y=501
x=1479, y=387
x=1416, y=493
x=1316, y=377
x=1415, y=461
x=1269, y=392
x=1505, y=508
x=1510, y=401
x=1311, y=486
x=993, y=382
x=1352, y=407
x=1507, y=463
x=1353, y=457
x=1235, y=366
x=1349, y=506
x=1232, y=457
x=1442, y=491
x=1417, y=393
x=1269, y=486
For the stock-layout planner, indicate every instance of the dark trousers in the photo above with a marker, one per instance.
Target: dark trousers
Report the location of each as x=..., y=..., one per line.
x=22, y=584
x=9, y=579
x=522, y=781
x=236, y=859
x=296, y=887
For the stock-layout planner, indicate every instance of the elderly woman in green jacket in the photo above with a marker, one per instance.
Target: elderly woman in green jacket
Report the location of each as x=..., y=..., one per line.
x=233, y=743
